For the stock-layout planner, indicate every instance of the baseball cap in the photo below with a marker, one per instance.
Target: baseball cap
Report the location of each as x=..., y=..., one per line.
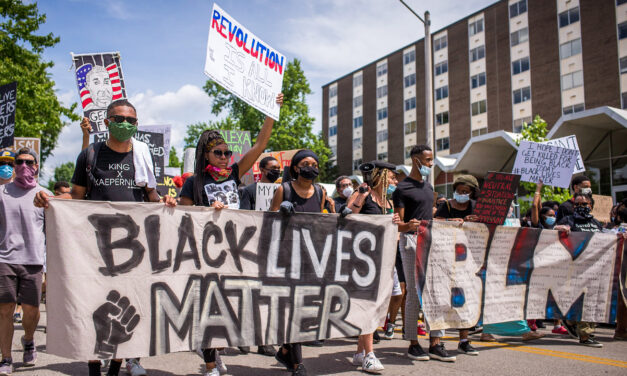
x=7, y=155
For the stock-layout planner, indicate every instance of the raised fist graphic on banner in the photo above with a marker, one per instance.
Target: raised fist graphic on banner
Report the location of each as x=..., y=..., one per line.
x=114, y=321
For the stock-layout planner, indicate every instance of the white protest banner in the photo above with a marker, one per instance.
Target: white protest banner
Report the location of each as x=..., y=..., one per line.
x=243, y=64
x=141, y=279
x=265, y=193
x=508, y=274
x=8, y=100
x=569, y=142
x=551, y=164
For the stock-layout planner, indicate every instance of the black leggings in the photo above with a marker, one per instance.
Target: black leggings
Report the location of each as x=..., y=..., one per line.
x=209, y=355
x=295, y=352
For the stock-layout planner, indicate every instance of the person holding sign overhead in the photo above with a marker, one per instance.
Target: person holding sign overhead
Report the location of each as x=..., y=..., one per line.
x=214, y=184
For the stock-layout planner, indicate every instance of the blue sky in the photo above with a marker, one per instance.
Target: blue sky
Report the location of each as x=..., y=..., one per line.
x=163, y=47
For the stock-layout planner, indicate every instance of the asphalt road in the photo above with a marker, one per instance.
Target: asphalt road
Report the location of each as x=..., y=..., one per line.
x=552, y=355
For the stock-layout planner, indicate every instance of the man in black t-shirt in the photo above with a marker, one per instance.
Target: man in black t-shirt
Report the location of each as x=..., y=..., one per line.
x=579, y=184
x=413, y=203
x=111, y=178
x=270, y=172
x=344, y=189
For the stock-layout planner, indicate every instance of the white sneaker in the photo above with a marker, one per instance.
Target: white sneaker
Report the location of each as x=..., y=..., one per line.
x=220, y=366
x=358, y=358
x=133, y=368
x=213, y=372
x=371, y=364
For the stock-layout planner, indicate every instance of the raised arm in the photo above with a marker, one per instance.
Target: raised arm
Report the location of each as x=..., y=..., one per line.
x=85, y=128
x=535, y=205
x=249, y=158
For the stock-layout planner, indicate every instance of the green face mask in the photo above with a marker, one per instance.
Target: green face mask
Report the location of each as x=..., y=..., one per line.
x=122, y=131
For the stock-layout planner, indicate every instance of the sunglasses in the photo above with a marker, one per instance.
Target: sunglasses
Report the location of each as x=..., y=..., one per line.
x=20, y=162
x=121, y=119
x=5, y=163
x=220, y=153
x=582, y=204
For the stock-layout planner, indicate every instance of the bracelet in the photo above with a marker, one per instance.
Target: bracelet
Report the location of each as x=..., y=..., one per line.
x=357, y=206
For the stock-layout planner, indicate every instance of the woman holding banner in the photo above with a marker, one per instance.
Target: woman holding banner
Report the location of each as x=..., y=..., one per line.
x=373, y=197
x=214, y=183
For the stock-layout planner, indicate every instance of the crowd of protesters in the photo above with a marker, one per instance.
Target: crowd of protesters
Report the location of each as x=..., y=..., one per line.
x=408, y=200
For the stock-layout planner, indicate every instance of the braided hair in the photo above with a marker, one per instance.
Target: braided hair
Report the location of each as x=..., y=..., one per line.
x=379, y=177
x=207, y=137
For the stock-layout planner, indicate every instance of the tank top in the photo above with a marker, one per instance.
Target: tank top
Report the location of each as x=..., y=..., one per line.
x=304, y=205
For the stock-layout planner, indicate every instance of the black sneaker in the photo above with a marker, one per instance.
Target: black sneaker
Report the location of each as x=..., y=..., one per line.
x=244, y=349
x=284, y=359
x=266, y=350
x=466, y=348
x=438, y=352
x=571, y=329
x=375, y=337
x=590, y=343
x=300, y=371
x=540, y=324
x=416, y=352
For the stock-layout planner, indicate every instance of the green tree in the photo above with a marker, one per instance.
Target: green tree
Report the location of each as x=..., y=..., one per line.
x=292, y=131
x=536, y=132
x=62, y=172
x=39, y=113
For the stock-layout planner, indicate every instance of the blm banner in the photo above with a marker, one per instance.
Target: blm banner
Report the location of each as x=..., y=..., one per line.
x=100, y=82
x=140, y=279
x=8, y=100
x=491, y=274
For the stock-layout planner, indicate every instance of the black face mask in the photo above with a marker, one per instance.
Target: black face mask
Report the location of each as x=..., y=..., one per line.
x=308, y=172
x=273, y=175
x=583, y=211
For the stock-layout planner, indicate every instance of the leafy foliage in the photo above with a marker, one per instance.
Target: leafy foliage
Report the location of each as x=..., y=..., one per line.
x=62, y=172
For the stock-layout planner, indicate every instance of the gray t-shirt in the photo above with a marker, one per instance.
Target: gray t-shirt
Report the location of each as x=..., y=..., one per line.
x=22, y=238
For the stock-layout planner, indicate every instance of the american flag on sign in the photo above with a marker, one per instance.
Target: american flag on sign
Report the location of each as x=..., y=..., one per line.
x=81, y=79
x=114, y=75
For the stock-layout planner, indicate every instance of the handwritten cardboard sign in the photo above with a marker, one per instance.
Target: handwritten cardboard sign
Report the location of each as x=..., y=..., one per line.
x=243, y=64
x=284, y=158
x=602, y=207
x=569, y=142
x=496, y=195
x=8, y=100
x=265, y=193
x=167, y=187
x=551, y=164
x=26, y=142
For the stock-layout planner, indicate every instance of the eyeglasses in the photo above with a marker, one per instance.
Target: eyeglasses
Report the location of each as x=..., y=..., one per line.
x=20, y=162
x=120, y=119
x=220, y=153
x=6, y=163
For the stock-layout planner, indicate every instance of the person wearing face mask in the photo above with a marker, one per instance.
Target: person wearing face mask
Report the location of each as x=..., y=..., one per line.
x=214, y=184
x=22, y=247
x=270, y=172
x=413, y=204
x=298, y=193
x=7, y=163
x=344, y=188
x=579, y=184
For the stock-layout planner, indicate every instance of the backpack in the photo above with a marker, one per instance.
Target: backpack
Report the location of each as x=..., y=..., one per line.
x=287, y=191
x=91, y=158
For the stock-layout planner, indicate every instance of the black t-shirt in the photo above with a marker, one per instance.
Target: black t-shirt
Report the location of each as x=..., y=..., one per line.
x=371, y=207
x=224, y=191
x=114, y=176
x=578, y=223
x=446, y=210
x=565, y=210
x=248, y=197
x=339, y=201
x=416, y=197
x=301, y=204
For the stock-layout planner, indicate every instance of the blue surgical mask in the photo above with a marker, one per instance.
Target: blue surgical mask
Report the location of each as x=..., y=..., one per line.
x=549, y=221
x=391, y=189
x=6, y=172
x=425, y=171
x=461, y=198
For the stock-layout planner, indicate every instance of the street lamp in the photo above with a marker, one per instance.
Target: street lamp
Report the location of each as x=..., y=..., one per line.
x=428, y=83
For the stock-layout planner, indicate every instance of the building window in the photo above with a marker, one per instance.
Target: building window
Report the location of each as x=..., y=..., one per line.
x=408, y=152
x=440, y=43
x=382, y=69
x=572, y=80
x=442, y=144
x=623, y=64
x=356, y=164
x=441, y=93
x=571, y=48
x=441, y=68
x=382, y=113
x=520, y=36
x=410, y=103
x=410, y=127
x=358, y=122
x=475, y=27
x=382, y=91
x=358, y=101
x=518, y=123
x=520, y=65
x=332, y=131
x=382, y=156
x=382, y=135
x=358, y=80
x=357, y=143
x=333, y=111
x=522, y=95
x=517, y=8
x=622, y=30
x=332, y=91
x=479, y=132
x=441, y=118
x=333, y=150
x=477, y=53
x=410, y=80
x=477, y=80
x=479, y=107
x=568, y=17
x=574, y=108
x=409, y=57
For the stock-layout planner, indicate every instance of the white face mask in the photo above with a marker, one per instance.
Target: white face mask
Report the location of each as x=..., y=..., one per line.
x=586, y=191
x=347, y=192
